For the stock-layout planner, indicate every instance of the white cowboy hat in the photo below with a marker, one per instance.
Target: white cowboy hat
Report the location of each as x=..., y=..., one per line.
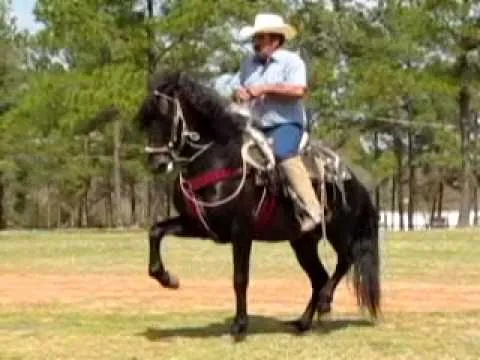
x=268, y=23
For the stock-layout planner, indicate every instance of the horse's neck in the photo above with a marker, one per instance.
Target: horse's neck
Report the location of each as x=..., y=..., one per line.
x=216, y=157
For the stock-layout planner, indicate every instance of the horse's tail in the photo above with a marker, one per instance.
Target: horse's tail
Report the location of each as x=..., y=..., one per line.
x=366, y=261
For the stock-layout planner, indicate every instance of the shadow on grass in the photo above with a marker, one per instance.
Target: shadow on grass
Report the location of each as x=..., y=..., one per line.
x=257, y=325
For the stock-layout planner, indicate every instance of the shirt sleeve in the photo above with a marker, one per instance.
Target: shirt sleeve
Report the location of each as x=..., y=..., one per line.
x=296, y=72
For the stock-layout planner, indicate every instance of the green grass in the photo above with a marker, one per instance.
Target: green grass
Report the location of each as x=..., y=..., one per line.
x=57, y=333
x=443, y=256
x=421, y=255
x=64, y=331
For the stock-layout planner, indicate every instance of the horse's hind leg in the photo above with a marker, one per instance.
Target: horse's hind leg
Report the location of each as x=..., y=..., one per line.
x=156, y=269
x=344, y=262
x=306, y=251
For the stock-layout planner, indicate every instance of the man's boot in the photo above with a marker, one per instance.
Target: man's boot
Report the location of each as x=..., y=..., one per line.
x=299, y=179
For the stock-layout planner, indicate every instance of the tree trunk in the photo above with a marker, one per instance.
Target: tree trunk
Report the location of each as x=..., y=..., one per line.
x=72, y=218
x=399, y=158
x=476, y=164
x=3, y=220
x=411, y=169
x=133, y=204
x=117, y=181
x=59, y=216
x=109, y=212
x=440, y=200
x=466, y=181
x=79, y=223
x=433, y=208
x=85, y=208
x=393, y=193
x=475, y=206
x=37, y=223
x=49, y=209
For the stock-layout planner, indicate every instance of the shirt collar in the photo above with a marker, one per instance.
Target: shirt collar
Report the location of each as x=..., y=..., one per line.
x=274, y=57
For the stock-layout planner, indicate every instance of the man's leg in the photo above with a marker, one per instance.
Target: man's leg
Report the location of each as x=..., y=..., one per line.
x=299, y=180
x=286, y=141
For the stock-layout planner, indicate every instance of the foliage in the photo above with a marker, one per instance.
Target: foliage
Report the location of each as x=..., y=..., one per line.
x=393, y=70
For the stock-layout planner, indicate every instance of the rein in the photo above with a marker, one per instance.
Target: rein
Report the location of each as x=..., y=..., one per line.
x=186, y=137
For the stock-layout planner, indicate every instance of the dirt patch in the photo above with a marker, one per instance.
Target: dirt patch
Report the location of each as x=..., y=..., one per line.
x=267, y=296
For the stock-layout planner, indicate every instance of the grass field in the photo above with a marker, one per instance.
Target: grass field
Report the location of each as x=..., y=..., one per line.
x=86, y=295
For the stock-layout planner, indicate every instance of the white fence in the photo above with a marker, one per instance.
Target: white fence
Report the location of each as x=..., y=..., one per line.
x=421, y=220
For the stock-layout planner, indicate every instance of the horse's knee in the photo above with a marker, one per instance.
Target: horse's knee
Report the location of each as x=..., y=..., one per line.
x=155, y=232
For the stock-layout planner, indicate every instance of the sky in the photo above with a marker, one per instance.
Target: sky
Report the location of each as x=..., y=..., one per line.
x=22, y=10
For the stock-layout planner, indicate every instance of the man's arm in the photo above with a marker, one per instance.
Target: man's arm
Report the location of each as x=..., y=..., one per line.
x=294, y=84
x=280, y=90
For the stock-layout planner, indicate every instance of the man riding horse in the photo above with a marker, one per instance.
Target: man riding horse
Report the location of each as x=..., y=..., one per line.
x=218, y=196
x=273, y=83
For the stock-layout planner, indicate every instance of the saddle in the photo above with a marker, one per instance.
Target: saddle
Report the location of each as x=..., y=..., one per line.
x=320, y=160
x=323, y=164
x=313, y=153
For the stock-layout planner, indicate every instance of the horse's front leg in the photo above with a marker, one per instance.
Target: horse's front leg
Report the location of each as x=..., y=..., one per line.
x=242, y=245
x=156, y=269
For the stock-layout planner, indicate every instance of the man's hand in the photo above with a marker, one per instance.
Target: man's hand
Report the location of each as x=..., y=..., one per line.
x=242, y=94
x=257, y=90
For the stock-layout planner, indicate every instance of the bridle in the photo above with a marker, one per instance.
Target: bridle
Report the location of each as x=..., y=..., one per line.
x=180, y=136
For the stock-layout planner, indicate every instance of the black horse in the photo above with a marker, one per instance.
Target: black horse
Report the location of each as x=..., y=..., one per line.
x=217, y=196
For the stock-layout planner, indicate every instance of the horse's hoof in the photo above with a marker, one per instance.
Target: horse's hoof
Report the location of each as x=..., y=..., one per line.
x=301, y=326
x=324, y=304
x=323, y=308
x=169, y=281
x=239, y=330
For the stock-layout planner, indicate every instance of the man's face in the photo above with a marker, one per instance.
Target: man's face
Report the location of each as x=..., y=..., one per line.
x=265, y=44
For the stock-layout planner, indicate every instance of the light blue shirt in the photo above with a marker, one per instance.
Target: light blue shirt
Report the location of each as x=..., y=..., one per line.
x=284, y=67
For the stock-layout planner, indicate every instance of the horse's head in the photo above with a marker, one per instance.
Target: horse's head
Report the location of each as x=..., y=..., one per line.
x=182, y=117
x=162, y=117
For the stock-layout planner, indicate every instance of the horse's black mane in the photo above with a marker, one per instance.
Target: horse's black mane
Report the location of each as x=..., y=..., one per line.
x=211, y=110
